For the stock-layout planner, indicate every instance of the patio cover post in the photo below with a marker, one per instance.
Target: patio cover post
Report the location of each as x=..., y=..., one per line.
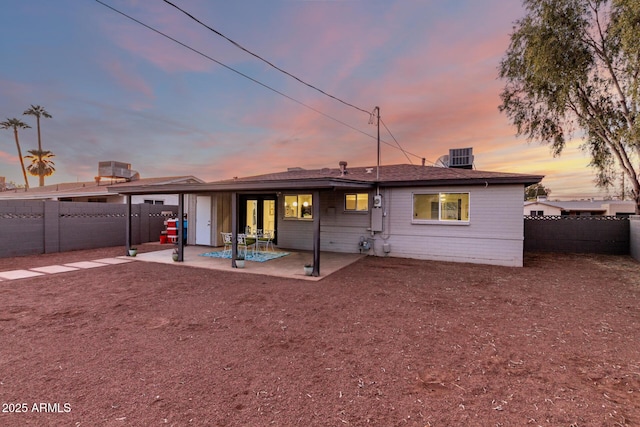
x=316, y=233
x=128, y=232
x=234, y=226
x=180, y=227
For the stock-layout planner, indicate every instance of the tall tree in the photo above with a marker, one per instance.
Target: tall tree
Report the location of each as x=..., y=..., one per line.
x=533, y=191
x=572, y=67
x=16, y=124
x=38, y=111
x=41, y=163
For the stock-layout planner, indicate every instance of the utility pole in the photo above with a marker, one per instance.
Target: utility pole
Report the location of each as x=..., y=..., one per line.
x=377, y=110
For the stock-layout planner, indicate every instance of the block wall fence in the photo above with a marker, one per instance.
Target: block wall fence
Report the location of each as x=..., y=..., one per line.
x=30, y=227
x=634, y=236
x=577, y=234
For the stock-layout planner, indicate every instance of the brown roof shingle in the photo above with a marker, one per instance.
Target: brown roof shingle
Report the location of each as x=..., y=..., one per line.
x=394, y=175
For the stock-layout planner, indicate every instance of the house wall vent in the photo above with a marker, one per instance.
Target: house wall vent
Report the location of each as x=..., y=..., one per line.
x=461, y=158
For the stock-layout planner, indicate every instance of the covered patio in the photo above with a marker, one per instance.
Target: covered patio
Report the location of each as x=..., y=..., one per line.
x=230, y=196
x=289, y=266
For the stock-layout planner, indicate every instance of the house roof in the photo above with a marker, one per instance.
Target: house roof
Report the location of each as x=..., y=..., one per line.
x=580, y=205
x=90, y=188
x=356, y=177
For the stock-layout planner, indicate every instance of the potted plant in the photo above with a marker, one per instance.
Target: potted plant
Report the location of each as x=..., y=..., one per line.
x=240, y=260
x=308, y=269
x=175, y=254
x=133, y=251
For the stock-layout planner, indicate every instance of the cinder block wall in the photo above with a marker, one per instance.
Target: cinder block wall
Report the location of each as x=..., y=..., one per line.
x=634, y=236
x=21, y=227
x=33, y=226
x=603, y=235
x=95, y=225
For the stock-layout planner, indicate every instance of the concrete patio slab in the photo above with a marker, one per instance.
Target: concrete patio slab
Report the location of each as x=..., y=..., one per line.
x=85, y=264
x=19, y=274
x=290, y=266
x=52, y=269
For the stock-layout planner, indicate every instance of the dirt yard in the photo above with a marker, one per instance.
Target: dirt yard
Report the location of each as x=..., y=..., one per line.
x=383, y=342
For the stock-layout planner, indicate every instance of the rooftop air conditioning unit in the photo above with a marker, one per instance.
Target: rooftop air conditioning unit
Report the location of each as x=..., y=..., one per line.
x=461, y=158
x=117, y=170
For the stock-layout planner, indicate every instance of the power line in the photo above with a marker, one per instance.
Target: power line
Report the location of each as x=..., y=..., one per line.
x=398, y=144
x=239, y=46
x=232, y=69
x=263, y=84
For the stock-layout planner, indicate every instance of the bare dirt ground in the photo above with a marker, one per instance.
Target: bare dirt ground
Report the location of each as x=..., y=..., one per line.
x=383, y=342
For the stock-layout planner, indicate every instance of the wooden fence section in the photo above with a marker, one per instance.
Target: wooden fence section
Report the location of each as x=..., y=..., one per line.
x=30, y=227
x=577, y=234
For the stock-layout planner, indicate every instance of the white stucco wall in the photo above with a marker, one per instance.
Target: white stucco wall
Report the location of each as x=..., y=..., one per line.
x=547, y=210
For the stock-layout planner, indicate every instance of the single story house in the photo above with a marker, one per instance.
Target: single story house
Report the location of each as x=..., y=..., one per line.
x=543, y=207
x=409, y=211
x=96, y=191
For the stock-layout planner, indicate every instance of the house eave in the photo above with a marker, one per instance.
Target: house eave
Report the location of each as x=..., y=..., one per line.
x=522, y=180
x=242, y=186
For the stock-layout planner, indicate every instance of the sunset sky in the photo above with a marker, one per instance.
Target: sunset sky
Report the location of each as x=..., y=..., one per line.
x=119, y=91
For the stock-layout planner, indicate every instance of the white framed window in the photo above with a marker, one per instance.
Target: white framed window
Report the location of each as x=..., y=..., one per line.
x=431, y=208
x=356, y=202
x=298, y=206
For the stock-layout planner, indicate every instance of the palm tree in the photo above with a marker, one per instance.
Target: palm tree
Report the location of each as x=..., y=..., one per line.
x=38, y=112
x=17, y=124
x=41, y=163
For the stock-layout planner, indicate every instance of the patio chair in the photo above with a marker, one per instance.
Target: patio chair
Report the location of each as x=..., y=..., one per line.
x=265, y=240
x=244, y=245
x=227, y=239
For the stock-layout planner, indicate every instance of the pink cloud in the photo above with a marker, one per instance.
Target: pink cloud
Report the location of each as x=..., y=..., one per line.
x=153, y=47
x=128, y=78
x=7, y=158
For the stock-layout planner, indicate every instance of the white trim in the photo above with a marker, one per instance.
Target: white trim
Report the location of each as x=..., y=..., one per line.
x=439, y=221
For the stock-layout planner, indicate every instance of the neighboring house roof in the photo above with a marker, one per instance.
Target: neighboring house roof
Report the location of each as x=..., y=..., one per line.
x=90, y=188
x=579, y=205
x=356, y=177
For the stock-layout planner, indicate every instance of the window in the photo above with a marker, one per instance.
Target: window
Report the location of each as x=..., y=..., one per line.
x=536, y=213
x=358, y=202
x=445, y=207
x=153, y=202
x=298, y=206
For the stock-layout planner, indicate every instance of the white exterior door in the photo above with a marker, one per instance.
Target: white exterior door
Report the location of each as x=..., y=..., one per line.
x=203, y=220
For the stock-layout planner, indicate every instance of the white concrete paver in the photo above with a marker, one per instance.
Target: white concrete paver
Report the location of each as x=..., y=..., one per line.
x=19, y=274
x=113, y=260
x=52, y=269
x=85, y=264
